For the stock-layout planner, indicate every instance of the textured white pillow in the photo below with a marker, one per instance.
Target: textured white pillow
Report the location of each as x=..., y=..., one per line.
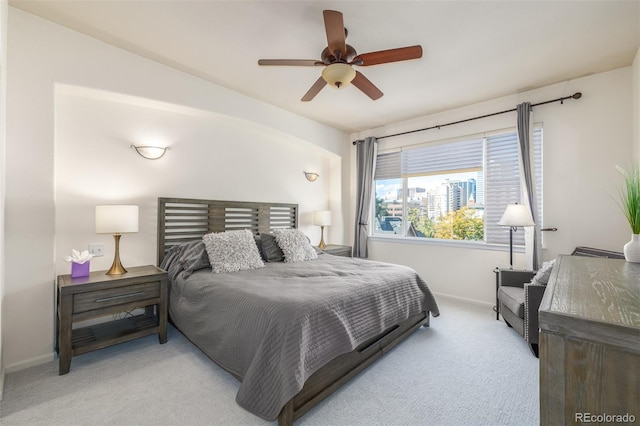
x=232, y=251
x=295, y=245
x=544, y=273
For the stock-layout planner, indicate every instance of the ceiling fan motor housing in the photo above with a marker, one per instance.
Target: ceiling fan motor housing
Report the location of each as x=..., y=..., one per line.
x=329, y=58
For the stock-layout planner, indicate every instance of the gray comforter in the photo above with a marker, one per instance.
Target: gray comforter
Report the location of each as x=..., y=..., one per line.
x=275, y=326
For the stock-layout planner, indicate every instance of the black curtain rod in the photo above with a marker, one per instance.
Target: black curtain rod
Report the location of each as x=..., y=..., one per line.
x=576, y=95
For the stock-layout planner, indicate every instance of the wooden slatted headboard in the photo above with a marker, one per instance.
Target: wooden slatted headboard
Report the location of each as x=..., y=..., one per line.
x=183, y=219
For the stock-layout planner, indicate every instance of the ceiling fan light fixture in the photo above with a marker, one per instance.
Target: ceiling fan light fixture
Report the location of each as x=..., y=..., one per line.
x=338, y=75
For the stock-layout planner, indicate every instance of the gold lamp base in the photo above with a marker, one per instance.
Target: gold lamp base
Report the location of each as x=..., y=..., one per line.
x=116, y=267
x=322, y=244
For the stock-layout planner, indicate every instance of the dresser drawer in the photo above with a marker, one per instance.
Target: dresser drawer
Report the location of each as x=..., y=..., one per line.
x=101, y=299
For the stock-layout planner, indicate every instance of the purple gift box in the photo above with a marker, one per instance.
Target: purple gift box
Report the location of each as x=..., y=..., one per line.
x=79, y=269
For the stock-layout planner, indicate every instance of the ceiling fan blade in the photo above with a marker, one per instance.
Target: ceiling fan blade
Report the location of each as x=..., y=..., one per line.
x=391, y=55
x=291, y=62
x=314, y=90
x=334, y=27
x=363, y=83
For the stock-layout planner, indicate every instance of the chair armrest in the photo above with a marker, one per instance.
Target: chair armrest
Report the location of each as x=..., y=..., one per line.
x=533, y=294
x=515, y=278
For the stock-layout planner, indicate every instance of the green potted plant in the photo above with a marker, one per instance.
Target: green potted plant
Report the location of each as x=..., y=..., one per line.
x=630, y=205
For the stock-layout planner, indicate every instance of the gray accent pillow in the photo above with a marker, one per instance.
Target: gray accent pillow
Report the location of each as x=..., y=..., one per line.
x=171, y=261
x=295, y=245
x=172, y=256
x=194, y=257
x=270, y=250
x=232, y=251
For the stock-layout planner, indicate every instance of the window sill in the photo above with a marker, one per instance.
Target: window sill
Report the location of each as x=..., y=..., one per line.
x=474, y=245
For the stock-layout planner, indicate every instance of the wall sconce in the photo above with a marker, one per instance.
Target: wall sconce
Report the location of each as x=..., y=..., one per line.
x=150, y=152
x=311, y=176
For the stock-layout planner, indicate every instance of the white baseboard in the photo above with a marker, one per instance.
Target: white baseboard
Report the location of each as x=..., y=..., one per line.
x=30, y=363
x=464, y=299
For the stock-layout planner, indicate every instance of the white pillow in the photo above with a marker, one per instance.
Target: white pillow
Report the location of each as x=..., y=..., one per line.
x=232, y=251
x=295, y=245
x=543, y=274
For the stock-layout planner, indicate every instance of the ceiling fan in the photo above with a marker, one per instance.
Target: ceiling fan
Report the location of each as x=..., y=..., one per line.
x=338, y=58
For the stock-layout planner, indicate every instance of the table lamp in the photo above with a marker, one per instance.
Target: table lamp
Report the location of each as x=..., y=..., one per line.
x=322, y=218
x=515, y=215
x=116, y=220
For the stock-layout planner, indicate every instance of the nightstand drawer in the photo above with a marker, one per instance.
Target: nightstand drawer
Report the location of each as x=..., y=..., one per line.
x=100, y=299
x=338, y=250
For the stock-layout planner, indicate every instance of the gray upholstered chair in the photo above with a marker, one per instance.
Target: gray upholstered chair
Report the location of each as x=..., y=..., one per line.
x=519, y=303
x=520, y=294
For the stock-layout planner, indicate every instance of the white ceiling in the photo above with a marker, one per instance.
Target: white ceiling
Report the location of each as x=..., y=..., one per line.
x=473, y=50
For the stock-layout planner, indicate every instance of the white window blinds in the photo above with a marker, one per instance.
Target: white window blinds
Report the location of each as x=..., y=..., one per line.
x=388, y=166
x=444, y=158
x=433, y=159
x=502, y=180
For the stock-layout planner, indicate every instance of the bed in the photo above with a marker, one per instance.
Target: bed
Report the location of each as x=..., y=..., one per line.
x=291, y=333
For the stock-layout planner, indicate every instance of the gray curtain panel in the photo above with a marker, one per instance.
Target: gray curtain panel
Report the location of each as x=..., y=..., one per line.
x=528, y=184
x=366, y=165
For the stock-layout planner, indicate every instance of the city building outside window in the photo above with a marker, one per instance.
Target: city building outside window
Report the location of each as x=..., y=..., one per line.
x=452, y=190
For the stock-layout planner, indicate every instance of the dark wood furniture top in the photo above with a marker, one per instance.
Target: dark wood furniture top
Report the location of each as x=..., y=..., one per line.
x=338, y=250
x=590, y=340
x=182, y=220
x=99, y=295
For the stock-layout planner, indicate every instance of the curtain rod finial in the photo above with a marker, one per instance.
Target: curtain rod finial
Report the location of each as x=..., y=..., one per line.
x=577, y=95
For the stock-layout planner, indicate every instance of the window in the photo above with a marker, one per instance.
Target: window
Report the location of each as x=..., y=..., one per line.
x=454, y=190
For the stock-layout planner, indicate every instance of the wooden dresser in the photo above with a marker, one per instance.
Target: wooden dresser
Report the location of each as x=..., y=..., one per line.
x=590, y=342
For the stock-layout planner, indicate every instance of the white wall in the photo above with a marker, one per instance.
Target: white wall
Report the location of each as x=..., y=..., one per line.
x=636, y=106
x=583, y=141
x=59, y=83
x=3, y=90
x=210, y=157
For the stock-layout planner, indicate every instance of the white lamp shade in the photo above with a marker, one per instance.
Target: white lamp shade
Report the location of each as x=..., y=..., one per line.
x=322, y=218
x=516, y=215
x=116, y=219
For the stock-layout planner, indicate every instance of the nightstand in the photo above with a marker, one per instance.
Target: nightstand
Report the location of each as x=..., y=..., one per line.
x=338, y=250
x=100, y=295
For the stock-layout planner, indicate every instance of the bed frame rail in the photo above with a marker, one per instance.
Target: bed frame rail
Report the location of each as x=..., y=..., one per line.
x=336, y=373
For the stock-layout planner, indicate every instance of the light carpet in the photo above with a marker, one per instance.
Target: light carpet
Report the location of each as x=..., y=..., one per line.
x=466, y=369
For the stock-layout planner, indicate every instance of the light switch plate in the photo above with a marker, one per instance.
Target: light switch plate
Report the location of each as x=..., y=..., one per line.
x=96, y=249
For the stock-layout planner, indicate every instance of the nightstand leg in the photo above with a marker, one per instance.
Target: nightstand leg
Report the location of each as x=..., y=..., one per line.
x=163, y=311
x=65, y=350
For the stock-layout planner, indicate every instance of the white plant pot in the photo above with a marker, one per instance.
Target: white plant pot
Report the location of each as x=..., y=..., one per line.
x=632, y=249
